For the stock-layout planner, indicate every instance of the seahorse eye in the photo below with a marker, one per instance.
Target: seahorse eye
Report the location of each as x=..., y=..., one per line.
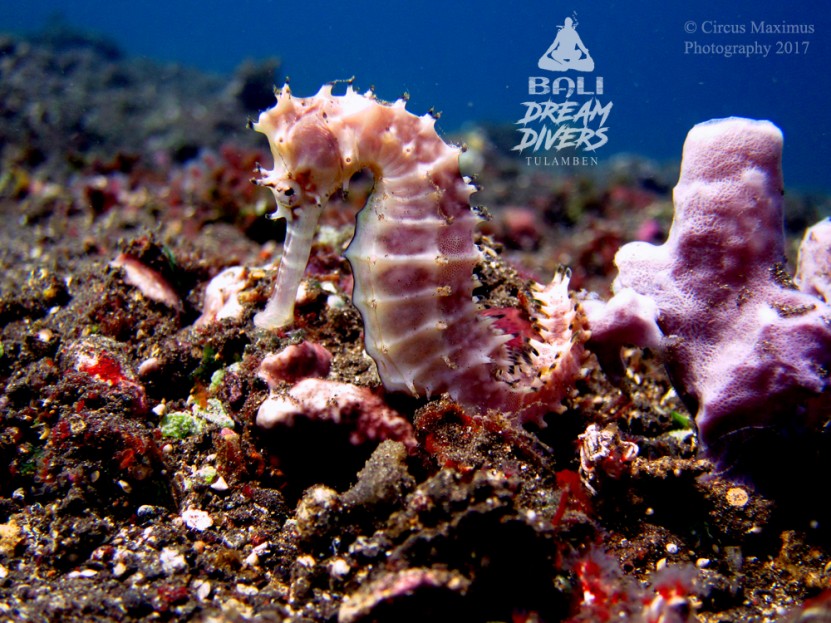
x=287, y=192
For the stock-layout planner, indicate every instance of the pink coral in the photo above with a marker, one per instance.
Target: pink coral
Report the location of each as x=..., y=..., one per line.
x=357, y=408
x=295, y=362
x=222, y=296
x=149, y=282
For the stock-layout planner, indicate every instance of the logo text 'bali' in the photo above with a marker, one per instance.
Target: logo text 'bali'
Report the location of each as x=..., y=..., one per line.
x=560, y=122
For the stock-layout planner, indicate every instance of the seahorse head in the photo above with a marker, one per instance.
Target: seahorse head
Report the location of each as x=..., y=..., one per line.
x=307, y=159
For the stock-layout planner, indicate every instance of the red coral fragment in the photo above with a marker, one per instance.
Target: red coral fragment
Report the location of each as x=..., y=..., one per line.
x=606, y=594
x=572, y=497
x=103, y=368
x=603, y=593
x=98, y=359
x=171, y=595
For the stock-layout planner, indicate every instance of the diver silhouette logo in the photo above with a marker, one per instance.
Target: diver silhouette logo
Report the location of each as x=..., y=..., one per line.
x=567, y=51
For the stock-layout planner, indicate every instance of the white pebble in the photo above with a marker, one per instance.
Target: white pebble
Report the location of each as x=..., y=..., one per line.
x=338, y=568
x=245, y=589
x=219, y=484
x=172, y=561
x=203, y=589
x=196, y=519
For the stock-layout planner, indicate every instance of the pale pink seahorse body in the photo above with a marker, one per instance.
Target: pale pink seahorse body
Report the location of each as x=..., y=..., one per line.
x=412, y=255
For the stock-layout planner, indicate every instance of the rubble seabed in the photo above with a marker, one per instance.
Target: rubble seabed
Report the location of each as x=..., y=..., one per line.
x=139, y=487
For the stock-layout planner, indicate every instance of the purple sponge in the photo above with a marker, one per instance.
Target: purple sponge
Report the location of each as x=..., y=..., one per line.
x=745, y=349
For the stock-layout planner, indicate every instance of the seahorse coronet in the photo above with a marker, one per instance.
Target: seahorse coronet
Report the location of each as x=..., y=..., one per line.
x=412, y=256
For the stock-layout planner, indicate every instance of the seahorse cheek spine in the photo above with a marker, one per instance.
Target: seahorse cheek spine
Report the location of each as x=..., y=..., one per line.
x=412, y=255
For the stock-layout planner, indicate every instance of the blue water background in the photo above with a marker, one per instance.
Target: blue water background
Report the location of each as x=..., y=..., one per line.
x=472, y=60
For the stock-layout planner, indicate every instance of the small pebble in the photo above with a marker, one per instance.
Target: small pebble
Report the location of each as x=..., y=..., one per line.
x=245, y=589
x=736, y=496
x=203, y=589
x=338, y=568
x=234, y=539
x=219, y=484
x=149, y=366
x=146, y=511
x=172, y=561
x=306, y=561
x=672, y=548
x=196, y=519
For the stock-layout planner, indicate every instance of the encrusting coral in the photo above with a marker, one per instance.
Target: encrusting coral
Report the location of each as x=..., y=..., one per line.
x=311, y=397
x=747, y=351
x=356, y=408
x=412, y=256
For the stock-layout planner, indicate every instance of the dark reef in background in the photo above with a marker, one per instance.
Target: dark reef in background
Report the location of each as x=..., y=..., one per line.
x=64, y=93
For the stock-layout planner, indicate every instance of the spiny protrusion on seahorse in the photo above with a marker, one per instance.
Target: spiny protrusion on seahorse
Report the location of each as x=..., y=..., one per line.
x=412, y=256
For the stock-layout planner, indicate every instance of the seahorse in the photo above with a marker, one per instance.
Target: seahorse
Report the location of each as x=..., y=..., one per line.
x=412, y=256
